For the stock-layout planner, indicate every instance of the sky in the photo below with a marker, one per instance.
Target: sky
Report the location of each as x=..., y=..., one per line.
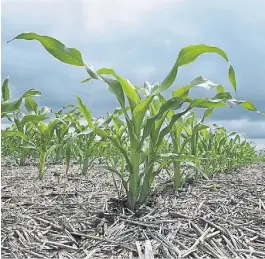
x=140, y=39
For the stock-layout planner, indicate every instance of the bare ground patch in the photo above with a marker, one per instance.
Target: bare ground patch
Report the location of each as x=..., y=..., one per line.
x=75, y=216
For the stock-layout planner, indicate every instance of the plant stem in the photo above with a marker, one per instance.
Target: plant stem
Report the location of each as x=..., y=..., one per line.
x=177, y=175
x=42, y=160
x=133, y=180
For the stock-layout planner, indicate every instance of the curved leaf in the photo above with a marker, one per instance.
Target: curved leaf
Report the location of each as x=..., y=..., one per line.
x=188, y=55
x=55, y=48
x=8, y=106
x=140, y=111
x=128, y=88
x=86, y=80
x=31, y=105
x=206, y=103
x=92, y=72
x=33, y=118
x=14, y=134
x=85, y=112
x=115, y=87
x=5, y=90
x=200, y=81
x=245, y=104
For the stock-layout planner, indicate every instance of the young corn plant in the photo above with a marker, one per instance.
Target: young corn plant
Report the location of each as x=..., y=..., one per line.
x=9, y=107
x=64, y=130
x=44, y=145
x=145, y=115
x=82, y=142
x=21, y=127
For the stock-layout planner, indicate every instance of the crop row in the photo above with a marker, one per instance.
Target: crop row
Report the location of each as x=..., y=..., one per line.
x=146, y=135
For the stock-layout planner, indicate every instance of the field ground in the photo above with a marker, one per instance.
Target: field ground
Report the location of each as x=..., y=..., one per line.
x=75, y=216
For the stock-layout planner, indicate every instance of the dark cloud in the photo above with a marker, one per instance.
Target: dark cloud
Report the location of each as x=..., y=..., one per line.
x=146, y=52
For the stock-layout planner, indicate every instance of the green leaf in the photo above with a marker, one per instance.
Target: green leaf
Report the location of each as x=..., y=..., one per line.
x=101, y=133
x=182, y=92
x=223, y=96
x=220, y=89
x=206, y=103
x=232, y=77
x=130, y=92
x=199, y=127
x=51, y=149
x=207, y=113
x=5, y=90
x=92, y=72
x=33, y=118
x=127, y=87
x=85, y=112
x=14, y=134
x=44, y=110
x=51, y=126
x=31, y=92
x=31, y=105
x=168, y=128
x=200, y=81
x=140, y=111
x=86, y=80
x=172, y=104
x=8, y=106
x=188, y=55
x=55, y=48
x=85, y=132
x=115, y=87
x=245, y=104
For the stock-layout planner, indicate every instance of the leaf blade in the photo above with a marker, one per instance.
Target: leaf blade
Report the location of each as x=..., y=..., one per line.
x=56, y=48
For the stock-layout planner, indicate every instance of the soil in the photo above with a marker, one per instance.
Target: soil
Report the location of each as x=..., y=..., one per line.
x=80, y=216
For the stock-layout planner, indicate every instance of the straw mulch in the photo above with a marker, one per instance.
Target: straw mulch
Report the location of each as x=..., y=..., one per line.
x=78, y=216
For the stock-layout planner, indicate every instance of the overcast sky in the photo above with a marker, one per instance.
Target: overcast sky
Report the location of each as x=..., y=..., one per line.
x=140, y=39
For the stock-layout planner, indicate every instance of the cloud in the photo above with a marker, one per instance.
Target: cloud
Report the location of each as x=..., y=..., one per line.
x=147, y=72
x=105, y=16
x=140, y=39
x=248, y=128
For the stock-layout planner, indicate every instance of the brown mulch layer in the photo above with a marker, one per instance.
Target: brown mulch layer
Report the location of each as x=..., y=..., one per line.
x=75, y=216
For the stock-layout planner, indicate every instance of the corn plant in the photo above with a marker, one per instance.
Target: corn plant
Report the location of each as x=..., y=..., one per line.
x=7, y=106
x=34, y=134
x=149, y=117
x=44, y=145
x=12, y=111
x=71, y=121
x=82, y=142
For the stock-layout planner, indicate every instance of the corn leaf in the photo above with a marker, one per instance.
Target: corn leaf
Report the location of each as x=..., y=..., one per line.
x=115, y=87
x=140, y=111
x=10, y=106
x=14, y=134
x=55, y=48
x=92, y=72
x=33, y=118
x=127, y=87
x=188, y=55
x=85, y=112
x=31, y=105
x=5, y=90
x=31, y=92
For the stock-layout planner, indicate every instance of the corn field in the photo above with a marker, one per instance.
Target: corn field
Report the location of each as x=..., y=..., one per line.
x=147, y=138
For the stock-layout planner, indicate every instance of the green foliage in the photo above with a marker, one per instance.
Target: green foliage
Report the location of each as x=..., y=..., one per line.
x=145, y=135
